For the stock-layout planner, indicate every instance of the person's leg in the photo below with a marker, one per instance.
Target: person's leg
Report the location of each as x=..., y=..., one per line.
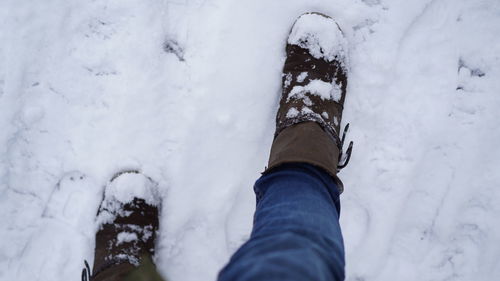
x=296, y=233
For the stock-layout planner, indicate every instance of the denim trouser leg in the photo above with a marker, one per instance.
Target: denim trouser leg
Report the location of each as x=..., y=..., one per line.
x=296, y=233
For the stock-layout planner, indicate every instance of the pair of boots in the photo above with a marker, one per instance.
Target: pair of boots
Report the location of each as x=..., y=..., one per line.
x=307, y=131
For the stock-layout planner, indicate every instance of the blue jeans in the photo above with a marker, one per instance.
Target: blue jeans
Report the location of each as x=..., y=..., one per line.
x=296, y=233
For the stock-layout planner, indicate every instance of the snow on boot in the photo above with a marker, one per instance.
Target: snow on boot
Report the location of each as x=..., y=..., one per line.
x=128, y=222
x=314, y=90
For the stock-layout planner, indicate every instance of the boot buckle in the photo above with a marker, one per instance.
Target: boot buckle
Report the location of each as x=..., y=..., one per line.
x=344, y=157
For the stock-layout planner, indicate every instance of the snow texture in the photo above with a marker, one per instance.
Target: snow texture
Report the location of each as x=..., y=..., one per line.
x=123, y=188
x=187, y=93
x=321, y=36
x=125, y=237
x=317, y=87
x=306, y=110
x=130, y=185
x=302, y=76
x=292, y=113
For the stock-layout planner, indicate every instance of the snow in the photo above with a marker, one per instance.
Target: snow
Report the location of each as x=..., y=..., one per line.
x=292, y=113
x=125, y=237
x=187, y=92
x=122, y=189
x=288, y=80
x=306, y=110
x=129, y=258
x=321, y=36
x=127, y=186
x=302, y=76
x=317, y=87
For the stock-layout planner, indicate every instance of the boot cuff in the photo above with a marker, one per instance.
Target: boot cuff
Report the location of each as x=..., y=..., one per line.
x=307, y=143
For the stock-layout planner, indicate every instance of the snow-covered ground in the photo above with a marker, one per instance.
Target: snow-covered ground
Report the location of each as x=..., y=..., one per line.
x=186, y=91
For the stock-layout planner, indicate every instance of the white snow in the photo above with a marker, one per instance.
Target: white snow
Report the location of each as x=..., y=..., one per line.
x=317, y=87
x=131, y=259
x=288, y=80
x=306, y=110
x=128, y=186
x=292, y=112
x=123, y=189
x=187, y=92
x=302, y=76
x=321, y=36
x=125, y=237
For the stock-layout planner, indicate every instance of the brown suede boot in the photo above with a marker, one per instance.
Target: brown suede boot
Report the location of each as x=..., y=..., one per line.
x=314, y=89
x=128, y=222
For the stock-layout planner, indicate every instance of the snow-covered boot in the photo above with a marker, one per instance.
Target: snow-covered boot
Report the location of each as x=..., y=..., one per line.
x=128, y=222
x=314, y=90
